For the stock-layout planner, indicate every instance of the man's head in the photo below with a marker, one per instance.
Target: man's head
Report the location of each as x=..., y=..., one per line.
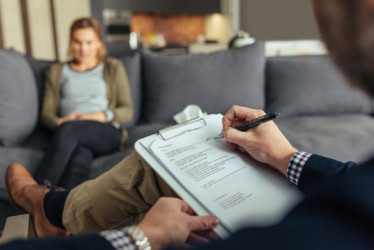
x=347, y=28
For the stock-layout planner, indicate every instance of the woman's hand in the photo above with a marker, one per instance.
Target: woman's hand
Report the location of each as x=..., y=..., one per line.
x=79, y=116
x=70, y=117
x=265, y=142
x=96, y=116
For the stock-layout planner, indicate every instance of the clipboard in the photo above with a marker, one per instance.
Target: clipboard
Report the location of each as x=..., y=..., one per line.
x=166, y=134
x=181, y=128
x=170, y=134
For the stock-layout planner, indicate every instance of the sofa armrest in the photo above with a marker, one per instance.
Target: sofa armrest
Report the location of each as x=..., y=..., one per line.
x=18, y=227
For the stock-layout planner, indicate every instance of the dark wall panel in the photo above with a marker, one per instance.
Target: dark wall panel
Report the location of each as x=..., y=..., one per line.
x=169, y=6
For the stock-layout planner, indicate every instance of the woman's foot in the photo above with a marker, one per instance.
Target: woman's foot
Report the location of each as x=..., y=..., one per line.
x=24, y=191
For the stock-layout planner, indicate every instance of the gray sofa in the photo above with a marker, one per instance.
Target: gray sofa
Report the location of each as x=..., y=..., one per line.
x=320, y=113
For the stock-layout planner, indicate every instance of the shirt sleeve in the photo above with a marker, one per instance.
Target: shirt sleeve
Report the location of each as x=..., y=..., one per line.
x=120, y=99
x=296, y=166
x=109, y=115
x=119, y=240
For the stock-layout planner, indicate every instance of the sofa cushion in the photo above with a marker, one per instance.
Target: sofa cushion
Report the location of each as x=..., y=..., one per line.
x=310, y=85
x=344, y=137
x=30, y=158
x=18, y=98
x=132, y=64
x=143, y=130
x=213, y=81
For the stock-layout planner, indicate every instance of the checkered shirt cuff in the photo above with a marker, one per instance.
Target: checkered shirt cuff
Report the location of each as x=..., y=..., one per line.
x=119, y=240
x=296, y=166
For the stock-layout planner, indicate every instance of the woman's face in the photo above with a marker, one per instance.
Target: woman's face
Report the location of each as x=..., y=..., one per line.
x=85, y=45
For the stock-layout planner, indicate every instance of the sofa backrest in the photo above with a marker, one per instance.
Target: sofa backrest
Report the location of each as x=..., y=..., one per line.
x=132, y=64
x=310, y=85
x=214, y=81
x=162, y=85
x=39, y=68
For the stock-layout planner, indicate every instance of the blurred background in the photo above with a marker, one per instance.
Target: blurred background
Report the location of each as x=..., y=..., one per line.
x=40, y=27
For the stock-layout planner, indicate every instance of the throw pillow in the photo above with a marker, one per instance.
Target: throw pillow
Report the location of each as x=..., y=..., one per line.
x=18, y=98
x=214, y=81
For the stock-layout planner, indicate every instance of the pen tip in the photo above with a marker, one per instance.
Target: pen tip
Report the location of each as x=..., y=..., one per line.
x=218, y=137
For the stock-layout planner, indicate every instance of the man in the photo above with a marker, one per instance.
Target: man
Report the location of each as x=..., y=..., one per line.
x=338, y=211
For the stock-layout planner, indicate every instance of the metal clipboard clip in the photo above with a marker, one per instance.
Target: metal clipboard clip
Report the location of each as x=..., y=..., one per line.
x=181, y=128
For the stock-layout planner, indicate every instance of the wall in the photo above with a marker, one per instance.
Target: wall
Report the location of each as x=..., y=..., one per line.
x=11, y=25
x=39, y=28
x=217, y=27
x=65, y=12
x=278, y=20
x=193, y=7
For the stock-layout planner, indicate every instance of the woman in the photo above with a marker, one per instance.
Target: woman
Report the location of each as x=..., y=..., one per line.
x=85, y=100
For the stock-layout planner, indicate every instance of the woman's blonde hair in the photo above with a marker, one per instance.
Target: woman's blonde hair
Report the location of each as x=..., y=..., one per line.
x=87, y=22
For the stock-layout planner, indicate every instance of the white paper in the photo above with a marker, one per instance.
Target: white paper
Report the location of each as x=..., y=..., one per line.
x=229, y=184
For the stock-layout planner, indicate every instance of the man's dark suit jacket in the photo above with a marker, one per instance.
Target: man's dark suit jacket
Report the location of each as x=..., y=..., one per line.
x=337, y=213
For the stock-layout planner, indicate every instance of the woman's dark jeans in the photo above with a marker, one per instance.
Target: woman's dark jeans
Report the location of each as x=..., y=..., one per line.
x=74, y=146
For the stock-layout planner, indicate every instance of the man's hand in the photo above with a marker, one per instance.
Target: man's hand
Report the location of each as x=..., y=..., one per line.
x=171, y=221
x=265, y=142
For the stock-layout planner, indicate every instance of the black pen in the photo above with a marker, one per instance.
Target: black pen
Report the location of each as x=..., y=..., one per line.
x=254, y=123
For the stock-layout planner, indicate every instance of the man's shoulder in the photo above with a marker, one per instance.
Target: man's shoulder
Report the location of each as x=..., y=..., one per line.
x=369, y=162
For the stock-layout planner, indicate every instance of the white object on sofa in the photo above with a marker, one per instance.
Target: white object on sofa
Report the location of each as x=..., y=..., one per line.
x=190, y=112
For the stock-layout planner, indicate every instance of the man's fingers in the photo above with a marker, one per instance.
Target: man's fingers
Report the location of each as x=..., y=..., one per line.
x=233, y=135
x=237, y=112
x=243, y=113
x=195, y=238
x=184, y=207
x=202, y=223
x=211, y=235
x=202, y=236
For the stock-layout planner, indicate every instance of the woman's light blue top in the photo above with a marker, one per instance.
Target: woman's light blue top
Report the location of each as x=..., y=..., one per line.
x=84, y=91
